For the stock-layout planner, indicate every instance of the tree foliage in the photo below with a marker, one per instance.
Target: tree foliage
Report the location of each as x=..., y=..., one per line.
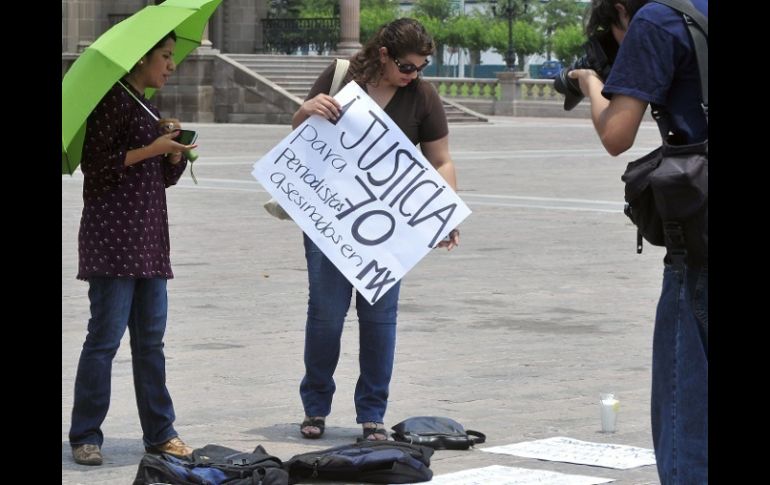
x=318, y=8
x=557, y=14
x=526, y=39
x=374, y=14
x=284, y=8
x=545, y=26
x=435, y=15
x=567, y=43
x=437, y=9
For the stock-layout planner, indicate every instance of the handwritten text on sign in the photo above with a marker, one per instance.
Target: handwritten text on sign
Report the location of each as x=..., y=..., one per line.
x=362, y=192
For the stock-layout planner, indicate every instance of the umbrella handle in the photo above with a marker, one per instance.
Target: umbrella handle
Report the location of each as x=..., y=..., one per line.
x=191, y=155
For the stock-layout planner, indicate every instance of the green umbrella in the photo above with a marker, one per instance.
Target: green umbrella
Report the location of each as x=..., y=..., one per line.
x=114, y=54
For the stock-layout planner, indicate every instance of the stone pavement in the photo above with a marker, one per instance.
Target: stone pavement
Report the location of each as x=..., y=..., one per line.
x=544, y=306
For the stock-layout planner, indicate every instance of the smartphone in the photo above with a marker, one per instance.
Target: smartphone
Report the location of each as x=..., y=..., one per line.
x=186, y=137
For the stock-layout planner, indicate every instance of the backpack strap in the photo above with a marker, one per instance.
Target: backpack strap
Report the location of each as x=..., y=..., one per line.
x=340, y=71
x=698, y=25
x=475, y=437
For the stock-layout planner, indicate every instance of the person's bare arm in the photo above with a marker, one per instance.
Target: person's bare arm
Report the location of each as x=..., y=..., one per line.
x=616, y=121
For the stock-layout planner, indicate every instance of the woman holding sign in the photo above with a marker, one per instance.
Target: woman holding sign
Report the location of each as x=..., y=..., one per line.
x=388, y=69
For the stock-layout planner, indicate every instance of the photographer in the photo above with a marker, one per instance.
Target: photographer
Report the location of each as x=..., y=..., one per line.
x=656, y=64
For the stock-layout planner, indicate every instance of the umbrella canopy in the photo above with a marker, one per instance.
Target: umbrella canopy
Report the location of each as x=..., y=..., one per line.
x=113, y=55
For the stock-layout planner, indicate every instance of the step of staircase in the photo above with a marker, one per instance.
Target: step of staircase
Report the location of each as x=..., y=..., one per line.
x=297, y=74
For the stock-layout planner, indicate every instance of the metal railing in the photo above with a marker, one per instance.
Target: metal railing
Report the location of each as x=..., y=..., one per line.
x=289, y=35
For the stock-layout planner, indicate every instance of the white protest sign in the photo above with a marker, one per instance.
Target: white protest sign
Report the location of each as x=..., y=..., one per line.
x=570, y=450
x=362, y=192
x=506, y=475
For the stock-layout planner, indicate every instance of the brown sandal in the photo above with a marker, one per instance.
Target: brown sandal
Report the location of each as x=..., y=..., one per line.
x=318, y=422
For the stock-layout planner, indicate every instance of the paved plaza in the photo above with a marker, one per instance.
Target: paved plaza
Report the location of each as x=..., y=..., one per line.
x=544, y=306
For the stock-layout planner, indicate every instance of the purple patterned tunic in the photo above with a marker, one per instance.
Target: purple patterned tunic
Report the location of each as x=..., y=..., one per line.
x=124, y=227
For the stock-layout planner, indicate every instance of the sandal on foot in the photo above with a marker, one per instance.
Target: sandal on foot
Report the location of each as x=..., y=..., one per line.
x=319, y=423
x=375, y=433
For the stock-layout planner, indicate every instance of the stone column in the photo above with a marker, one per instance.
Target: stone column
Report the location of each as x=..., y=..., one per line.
x=73, y=27
x=509, y=92
x=88, y=29
x=206, y=46
x=205, y=42
x=350, y=11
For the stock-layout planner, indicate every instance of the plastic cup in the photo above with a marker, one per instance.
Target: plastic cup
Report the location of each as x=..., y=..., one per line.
x=609, y=406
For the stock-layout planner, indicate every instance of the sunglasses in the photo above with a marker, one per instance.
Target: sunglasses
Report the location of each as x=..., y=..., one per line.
x=408, y=67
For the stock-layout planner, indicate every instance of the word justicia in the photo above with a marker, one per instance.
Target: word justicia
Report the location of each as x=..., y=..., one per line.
x=392, y=175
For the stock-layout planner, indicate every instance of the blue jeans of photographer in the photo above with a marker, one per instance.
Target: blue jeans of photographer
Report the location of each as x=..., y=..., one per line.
x=680, y=377
x=116, y=304
x=328, y=303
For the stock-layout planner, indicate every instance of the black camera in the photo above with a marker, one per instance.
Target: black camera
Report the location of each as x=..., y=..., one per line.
x=600, y=52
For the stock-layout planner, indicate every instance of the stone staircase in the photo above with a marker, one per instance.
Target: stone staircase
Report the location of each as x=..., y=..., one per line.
x=296, y=74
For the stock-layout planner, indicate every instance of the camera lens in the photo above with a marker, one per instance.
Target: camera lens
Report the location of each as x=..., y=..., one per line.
x=569, y=87
x=600, y=51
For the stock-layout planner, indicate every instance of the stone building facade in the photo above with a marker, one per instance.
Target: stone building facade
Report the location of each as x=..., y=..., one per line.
x=235, y=27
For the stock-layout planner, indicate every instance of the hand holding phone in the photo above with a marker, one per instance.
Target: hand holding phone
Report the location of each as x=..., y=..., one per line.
x=188, y=137
x=185, y=137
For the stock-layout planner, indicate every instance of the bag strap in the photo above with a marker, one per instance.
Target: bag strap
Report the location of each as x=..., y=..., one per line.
x=190, y=160
x=686, y=7
x=138, y=101
x=698, y=26
x=340, y=71
x=476, y=437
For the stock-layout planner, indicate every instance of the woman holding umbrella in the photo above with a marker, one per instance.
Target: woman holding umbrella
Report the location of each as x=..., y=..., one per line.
x=124, y=254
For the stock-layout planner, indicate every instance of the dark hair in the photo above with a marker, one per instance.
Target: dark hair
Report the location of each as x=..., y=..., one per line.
x=603, y=14
x=401, y=37
x=171, y=35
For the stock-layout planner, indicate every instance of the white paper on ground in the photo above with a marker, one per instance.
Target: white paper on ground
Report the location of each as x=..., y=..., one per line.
x=570, y=450
x=505, y=475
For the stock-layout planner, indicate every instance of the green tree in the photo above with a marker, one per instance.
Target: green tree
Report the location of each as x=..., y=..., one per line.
x=438, y=9
x=318, y=8
x=471, y=32
x=434, y=15
x=526, y=39
x=374, y=14
x=284, y=8
x=568, y=42
x=556, y=14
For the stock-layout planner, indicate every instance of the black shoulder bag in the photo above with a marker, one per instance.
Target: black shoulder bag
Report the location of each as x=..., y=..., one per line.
x=437, y=432
x=667, y=189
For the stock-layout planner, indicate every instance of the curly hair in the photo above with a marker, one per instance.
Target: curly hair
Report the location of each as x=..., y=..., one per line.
x=401, y=37
x=602, y=14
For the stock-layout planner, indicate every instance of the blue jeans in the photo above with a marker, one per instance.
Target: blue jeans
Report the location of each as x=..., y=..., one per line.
x=680, y=377
x=328, y=303
x=117, y=303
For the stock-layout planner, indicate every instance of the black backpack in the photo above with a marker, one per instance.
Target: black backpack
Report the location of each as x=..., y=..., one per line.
x=365, y=461
x=212, y=465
